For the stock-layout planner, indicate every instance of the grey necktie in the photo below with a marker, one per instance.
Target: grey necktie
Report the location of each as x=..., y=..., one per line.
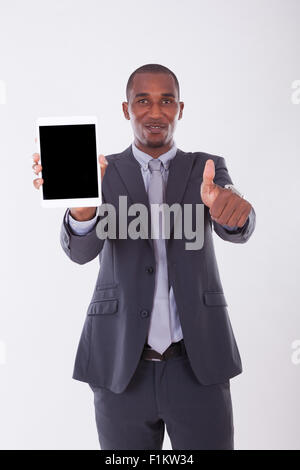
x=159, y=336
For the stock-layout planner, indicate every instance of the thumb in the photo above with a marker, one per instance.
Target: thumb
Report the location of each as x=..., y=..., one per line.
x=209, y=172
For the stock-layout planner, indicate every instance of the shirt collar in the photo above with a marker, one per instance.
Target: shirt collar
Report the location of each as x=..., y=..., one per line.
x=143, y=158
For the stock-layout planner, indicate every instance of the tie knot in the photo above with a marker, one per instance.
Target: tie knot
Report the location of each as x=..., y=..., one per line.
x=154, y=164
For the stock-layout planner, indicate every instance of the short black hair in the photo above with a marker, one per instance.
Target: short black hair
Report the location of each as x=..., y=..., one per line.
x=150, y=68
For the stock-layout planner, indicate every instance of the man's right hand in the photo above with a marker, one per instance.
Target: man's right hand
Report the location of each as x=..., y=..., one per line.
x=78, y=213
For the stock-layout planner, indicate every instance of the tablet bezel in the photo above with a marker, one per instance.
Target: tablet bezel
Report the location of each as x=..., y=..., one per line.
x=65, y=121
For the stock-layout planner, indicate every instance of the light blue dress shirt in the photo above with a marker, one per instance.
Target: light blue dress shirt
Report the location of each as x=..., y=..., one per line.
x=143, y=159
x=83, y=227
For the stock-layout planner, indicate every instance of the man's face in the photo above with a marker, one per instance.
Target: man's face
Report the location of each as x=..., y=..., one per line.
x=153, y=100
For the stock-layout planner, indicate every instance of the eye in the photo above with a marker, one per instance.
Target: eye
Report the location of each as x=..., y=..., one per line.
x=144, y=99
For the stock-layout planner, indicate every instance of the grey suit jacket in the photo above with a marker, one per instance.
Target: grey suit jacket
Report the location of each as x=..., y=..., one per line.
x=117, y=318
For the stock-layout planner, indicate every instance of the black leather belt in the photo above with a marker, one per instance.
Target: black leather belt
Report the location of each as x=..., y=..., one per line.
x=175, y=349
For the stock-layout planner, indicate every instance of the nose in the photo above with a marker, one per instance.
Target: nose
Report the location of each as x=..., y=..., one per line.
x=154, y=112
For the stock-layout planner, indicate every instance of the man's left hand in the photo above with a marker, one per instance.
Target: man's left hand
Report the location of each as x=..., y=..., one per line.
x=226, y=207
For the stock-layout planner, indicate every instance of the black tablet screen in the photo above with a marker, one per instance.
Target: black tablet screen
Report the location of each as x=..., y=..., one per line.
x=68, y=159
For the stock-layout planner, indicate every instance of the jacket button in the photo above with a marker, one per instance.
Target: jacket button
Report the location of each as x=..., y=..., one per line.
x=144, y=313
x=149, y=269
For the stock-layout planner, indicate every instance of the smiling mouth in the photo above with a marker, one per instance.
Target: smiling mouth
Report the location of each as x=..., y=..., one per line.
x=154, y=129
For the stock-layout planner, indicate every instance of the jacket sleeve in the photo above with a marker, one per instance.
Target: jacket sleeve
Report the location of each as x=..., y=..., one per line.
x=242, y=234
x=80, y=248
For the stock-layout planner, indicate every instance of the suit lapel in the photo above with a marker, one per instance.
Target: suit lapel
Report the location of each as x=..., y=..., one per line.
x=130, y=173
x=179, y=172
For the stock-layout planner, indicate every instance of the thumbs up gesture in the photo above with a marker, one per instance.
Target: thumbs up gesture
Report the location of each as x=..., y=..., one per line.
x=226, y=207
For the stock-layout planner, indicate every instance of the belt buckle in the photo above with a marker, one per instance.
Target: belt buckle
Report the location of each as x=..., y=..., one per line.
x=158, y=359
x=163, y=357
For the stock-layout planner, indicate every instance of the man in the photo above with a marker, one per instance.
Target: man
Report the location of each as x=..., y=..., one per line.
x=157, y=345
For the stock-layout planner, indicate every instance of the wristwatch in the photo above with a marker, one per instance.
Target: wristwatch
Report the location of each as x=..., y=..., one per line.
x=233, y=189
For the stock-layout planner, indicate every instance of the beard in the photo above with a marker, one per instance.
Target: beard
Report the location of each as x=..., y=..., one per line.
x=155, y=144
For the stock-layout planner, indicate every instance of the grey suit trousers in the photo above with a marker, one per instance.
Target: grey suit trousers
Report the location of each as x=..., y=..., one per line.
x=165, y=393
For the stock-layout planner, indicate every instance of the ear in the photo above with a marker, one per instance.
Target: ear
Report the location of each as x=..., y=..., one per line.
x=125, y=110
x=181, y=104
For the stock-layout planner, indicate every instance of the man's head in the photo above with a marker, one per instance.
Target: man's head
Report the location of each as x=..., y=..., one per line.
x=153, y=95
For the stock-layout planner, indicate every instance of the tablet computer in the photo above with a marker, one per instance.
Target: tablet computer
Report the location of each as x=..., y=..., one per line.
x=70, y=167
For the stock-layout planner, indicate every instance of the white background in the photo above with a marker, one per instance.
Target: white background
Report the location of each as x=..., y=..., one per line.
x=235, y=61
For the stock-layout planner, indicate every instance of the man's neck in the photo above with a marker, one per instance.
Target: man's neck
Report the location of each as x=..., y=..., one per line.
x=154, y=152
